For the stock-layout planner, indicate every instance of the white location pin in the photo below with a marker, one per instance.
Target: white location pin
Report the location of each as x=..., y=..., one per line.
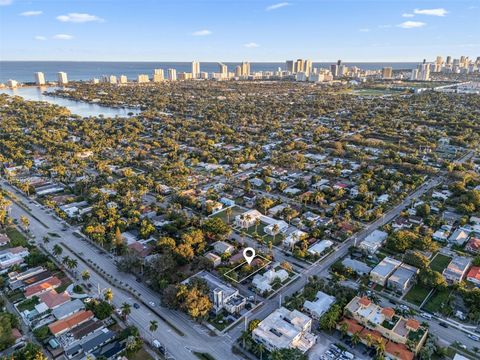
x=249, y=254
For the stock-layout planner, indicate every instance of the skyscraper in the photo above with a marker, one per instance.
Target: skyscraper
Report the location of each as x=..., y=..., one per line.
x=299, y=65
x=334, y=70
x=195, y=69
x=223, y=70
x=307, y=67
x=172, y=74
x=122, y=79
x=289, y=66
x=62, y=78
x=40, y=78
x=387, y=73
x=245, y=68
x=143, y=78
x=158, y=75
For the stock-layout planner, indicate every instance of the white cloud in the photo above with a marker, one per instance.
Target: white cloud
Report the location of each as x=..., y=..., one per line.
x=40, y=38
x=277, y=6
x=204, y=32
x=384, y=26
x=79, y=18
x=251, y=45
x=31, y=13
x=5, y=2
x=408, y=15
x=411, y=24
x=63, y=37
x=364, y=30
x=431, y=12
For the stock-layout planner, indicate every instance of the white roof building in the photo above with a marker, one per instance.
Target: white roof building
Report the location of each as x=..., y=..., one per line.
x=374, y=241
x=294, y=237
x=320, y=305
x=319, y=247
x=264, y=282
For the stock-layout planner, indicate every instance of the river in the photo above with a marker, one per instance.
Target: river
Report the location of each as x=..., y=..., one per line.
x=81, y=108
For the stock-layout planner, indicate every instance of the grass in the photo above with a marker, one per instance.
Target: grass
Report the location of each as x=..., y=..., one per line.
x=223, y=214
x=440, y=262
x=28, y=304
x=220, y=322
x=436, y=301
x=417, y=294
x=141, y=355
x=16, y=237
x=203, y=356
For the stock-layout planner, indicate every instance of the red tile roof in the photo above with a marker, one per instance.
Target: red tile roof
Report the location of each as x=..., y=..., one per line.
x=388, y=312
x=353, y=326
x=42, y=287
x=474, y=273
x=413, y=324
x=70, y=322
x=474, y=244
x=52, y=299
x=364, y=301
x=376, y=336
x=398, y=351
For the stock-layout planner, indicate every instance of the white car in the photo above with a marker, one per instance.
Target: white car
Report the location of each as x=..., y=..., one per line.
x=152, y=303
x=473, y=337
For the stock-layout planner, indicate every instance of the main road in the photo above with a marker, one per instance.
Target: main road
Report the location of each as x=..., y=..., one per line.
x=195, y=337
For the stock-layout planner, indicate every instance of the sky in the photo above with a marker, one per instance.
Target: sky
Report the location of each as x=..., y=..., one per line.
x=228, y=30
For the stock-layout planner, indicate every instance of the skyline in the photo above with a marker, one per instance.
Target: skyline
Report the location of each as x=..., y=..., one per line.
x=260, y=31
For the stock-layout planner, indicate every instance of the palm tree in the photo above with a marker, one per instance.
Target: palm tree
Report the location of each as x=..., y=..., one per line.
x=343, y=329
x=228, y=212
x=260, y=349
x=153, y=326
x=85, y=275
x=57, y=250
x=380, y=348
x=275, y=230
x=108, y=295
x=257, y=223
x=126, y=309
x=65, y=260
x=72, y=264
x=356, y=338
x=25, y=222
x=369, y=340
x=46, y=240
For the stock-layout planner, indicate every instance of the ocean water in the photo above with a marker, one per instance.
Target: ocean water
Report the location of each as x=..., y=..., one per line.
x=23, y=71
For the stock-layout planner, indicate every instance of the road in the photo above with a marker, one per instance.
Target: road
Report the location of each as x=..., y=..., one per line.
x=196, y=337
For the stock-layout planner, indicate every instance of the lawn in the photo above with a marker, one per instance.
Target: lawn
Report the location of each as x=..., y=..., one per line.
x=436, y=301
x=223, y=214
x=417, y=294
x=16, y=237
x=141, y=355
x=28, y=304
x=440, y=262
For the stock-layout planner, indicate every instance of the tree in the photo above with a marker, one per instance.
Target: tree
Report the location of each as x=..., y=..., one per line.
x=72, y=264
x=153, y=326
x=85, y=275
x=330, y=319
x=229, y=213
x=57, y=250
x=25, y=222
x=193, y=301
x=216, y=228
x=287, y=354
x=108, y=295
x=356, y=338
x=125, y=310
x=252, y=325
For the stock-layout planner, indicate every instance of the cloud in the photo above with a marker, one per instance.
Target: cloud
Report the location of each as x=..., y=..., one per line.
x=431, y=12
x=63, y=37
x=384, y=26
x=364, y=30
x=5, y=2
x=40, y=38
x=411, y=24
x=408, y=15
x=277, y=6
x=251, y=45
x=31, y=13
x=204, y=32
x=79, y=18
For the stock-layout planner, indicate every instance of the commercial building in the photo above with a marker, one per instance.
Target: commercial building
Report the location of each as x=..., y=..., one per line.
x=195, y=69
x=12, y=83
x=39, y=78
x=143, y=78
x=158, y=75
x=62, y=78
x=320, y=305
x=387, y=73
x=172, y=75
x=285, y=329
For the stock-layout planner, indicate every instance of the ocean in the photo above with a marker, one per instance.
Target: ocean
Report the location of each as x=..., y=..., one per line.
x=23, y=71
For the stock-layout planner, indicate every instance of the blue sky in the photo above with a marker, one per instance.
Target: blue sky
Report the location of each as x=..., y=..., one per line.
x=227, y=30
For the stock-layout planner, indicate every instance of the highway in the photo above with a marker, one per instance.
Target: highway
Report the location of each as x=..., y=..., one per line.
x=196, y=337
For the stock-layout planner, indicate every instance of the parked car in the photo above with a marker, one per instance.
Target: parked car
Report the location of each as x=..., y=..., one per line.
x=445, y=325
x=136, y=306
x=473, y=337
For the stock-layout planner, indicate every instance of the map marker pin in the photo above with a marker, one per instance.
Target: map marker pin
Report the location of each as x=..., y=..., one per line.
x=249, y=254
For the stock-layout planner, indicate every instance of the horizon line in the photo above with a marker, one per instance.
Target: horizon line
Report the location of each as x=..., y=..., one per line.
x=224, y=61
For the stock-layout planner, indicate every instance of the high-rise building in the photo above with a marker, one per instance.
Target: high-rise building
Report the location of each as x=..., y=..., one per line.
x=12, y=83
x=95, y=81
x=122, y=79
x=158, y=75
x=143, y=78
x=299, y=65
x=423, y=72
x=449, y=60
x=172, y=74
x=238, y=71
x=308, y=67
x=62, y=78
x=223, y=70
x=245, y=66
x=40, y=78
x=289, y=66
x=387, y=73
x=334, y=70
x=195, y=69
x=414, y=74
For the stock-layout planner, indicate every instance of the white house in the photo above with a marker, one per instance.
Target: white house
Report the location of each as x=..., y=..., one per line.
x=374, y=241
x=282, y=227
x=319, y=247
x=264, y=282
x=293, y=237
x=319, y=306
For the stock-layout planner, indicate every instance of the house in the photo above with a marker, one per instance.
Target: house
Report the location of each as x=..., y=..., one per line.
x=263, y=283
x=310, y=216
x=285, y=329
x=457, y=269
x=37, y=289
x=227, y=202
x=442, y=233
x=293, y=237
x=222, y=295
x=382, y=199
x=53, y=300
x=319, y=247
x=359, y=267
x=275, y=228
x=402, y=278
x=319, y=306
x=61, y=326
x=12, y=256
x=459, y=237
x=214, y=258
x=256, y=182
x=374, y=241
x=248, y=218
x=68, y=308
x=221, y=247
x=383, y=270
x=276, y=209
x=473, y=245
x=474, y=275
x=4, y=240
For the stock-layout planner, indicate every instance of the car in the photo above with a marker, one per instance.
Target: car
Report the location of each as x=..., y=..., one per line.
x=445, y=325
x=152, y=303
x=426, y=316
x=473, y=337
x=138, y=280
x=136, y=306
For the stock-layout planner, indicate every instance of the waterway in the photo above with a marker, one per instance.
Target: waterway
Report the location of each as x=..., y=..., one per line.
x=81, y=108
